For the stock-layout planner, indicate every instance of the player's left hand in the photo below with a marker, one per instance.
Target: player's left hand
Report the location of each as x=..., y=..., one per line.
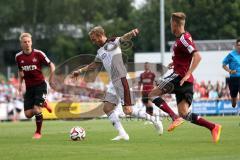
x=185, y=78
x=135, y=32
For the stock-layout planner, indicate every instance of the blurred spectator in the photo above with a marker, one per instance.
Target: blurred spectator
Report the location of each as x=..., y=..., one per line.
x=13, y=80
x=211, y=91
x=196, y=95
x=213, y=94
x=203, y=90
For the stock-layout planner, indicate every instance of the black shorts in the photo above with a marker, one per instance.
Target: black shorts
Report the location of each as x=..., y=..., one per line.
x=234, y=86
x=35, y=96
x=145, y=98
x=184, y=92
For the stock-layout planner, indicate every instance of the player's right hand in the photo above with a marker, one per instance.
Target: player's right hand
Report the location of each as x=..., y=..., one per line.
x=75, y=74
x=170, y=66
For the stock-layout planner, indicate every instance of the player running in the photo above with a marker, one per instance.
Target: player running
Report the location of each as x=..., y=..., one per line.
x=231, y=64
x=146, y=81
x=29, y=63
x=185, y=60
x=110, y=56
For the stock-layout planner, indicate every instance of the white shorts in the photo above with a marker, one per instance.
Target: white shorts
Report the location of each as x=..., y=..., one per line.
x=120, y=90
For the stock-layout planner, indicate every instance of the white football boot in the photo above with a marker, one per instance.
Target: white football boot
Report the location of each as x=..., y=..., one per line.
x=121, y=137
x=159, y=127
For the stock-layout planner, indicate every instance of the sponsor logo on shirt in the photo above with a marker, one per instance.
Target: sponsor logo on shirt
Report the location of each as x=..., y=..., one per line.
x=110, y=46
x=29, y=68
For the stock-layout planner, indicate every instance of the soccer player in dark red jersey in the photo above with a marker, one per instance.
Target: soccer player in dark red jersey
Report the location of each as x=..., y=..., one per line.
x=146, y=81
x=29, y=63
x=185, y=60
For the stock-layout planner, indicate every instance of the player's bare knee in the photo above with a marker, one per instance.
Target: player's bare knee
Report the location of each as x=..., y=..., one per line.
x=107, y=110
x=182, y=112
x=37, y=110
x=155, y=92
x=150, y=95
x=108, y=107
x=127, y=110
x=28, y=115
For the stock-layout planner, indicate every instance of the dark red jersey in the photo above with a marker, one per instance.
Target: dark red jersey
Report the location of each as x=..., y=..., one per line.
x=147, y=79
x=183, y=50
x=31, y=65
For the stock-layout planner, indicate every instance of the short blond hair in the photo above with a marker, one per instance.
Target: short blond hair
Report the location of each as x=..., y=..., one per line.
x=179, y=18
x=98, y=30
x=25, y=34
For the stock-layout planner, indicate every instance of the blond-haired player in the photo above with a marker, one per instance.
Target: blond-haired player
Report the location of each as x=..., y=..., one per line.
x=29, y=62
x=110, y=56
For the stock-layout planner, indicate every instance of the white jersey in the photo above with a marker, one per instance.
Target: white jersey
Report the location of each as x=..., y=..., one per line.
x=110, y=55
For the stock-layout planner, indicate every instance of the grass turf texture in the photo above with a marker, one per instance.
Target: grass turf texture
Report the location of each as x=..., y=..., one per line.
x=186, y=142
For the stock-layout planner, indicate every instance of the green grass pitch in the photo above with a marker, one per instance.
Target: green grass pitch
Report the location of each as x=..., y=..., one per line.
x=188, y=142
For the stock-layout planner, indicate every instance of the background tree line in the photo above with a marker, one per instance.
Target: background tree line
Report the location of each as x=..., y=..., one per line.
x=60, y=27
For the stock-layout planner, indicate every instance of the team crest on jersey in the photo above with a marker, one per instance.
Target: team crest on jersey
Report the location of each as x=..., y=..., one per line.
x=34, y=59
x=110, y=46
x=22, y=61
x=104, y=55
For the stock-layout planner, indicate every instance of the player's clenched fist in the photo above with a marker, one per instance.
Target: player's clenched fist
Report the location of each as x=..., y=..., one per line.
x=135, y=32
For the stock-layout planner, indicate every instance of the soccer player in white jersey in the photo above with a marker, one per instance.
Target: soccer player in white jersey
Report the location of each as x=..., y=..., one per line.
x=110, y=56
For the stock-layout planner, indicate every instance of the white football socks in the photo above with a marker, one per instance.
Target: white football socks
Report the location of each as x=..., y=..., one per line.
x=136, y=112
x=114, y=118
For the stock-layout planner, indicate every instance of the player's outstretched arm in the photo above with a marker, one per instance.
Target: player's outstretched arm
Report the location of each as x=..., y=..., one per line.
x=128, y=36
x=88, y=67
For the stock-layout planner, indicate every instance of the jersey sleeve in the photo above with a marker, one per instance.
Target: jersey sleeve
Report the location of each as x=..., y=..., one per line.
x=117, y=41
x=43, y=58
x=18, y=64
x=187, y=42
x=226, y=60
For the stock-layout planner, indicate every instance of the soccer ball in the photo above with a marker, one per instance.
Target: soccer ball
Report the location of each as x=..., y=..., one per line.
x=77, y=133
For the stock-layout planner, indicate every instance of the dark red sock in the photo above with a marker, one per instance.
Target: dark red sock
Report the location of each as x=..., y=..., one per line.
x=168, y=110
x=164, y=106
x=203, y=122
x=39, y=119
x=198, y=120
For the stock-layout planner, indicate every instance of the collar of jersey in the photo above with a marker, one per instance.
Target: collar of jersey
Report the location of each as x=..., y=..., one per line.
x=28, y=54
